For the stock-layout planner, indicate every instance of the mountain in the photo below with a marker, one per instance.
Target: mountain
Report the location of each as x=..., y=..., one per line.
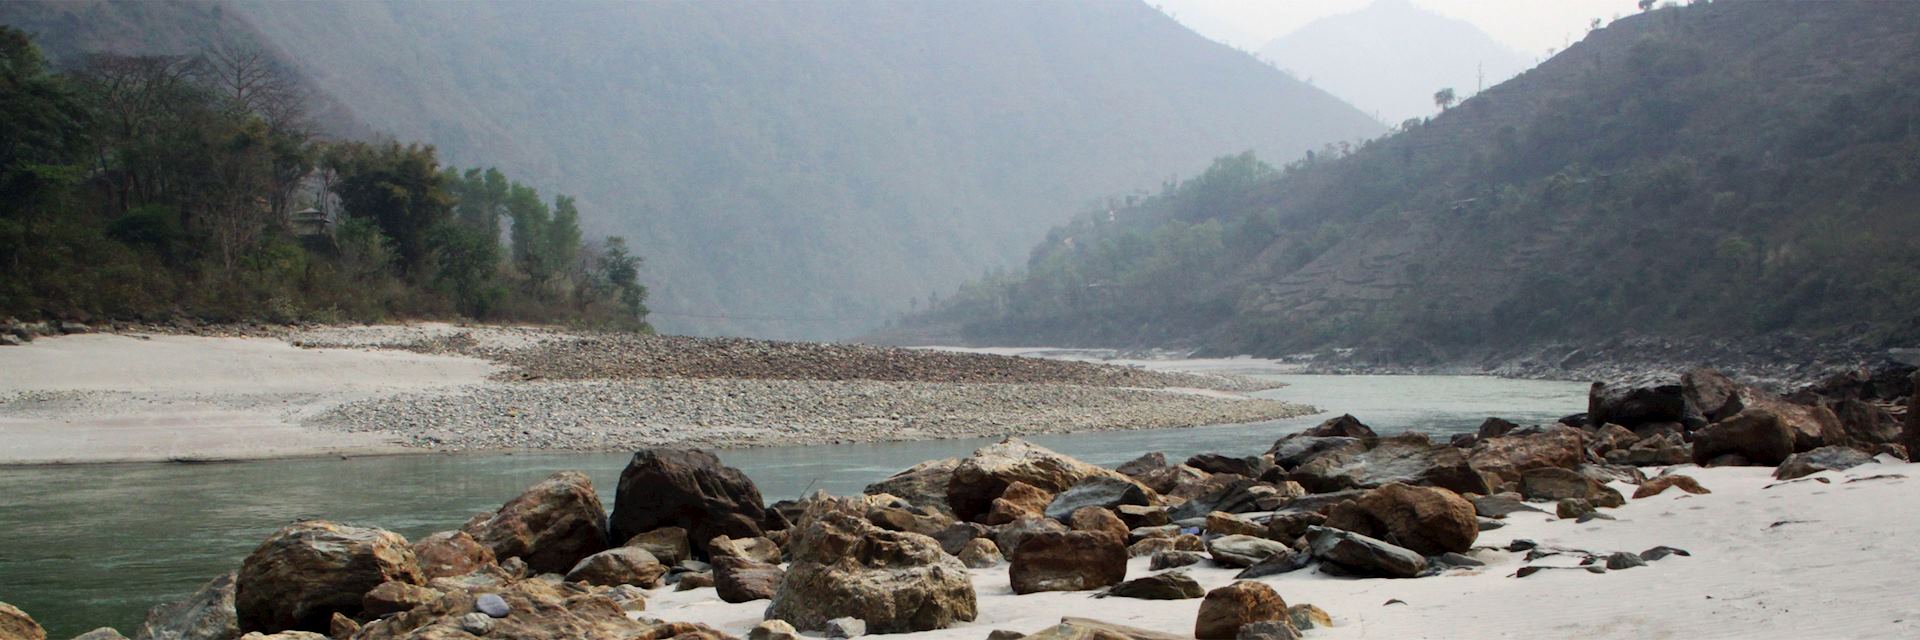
x=1719, y=171
x=1390, y=58
x=795, y=170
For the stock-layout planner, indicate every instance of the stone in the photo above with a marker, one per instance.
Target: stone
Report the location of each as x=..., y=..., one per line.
x=1571, y=508
x=1228, y=608
x=1268, y=630
x=980, y=553
x=1306, y=616
x=1019, y=500
x=1172, y=585
x=1227, y=524
x=1295, y=450
x=743, y=580
x=1276, y=564
x=1630, y=406
x=1624, y=560
x=1362, y=555
x=1250, y=466
x=926, y=523
x=394, y=597
x=284, y=635
x=1716, y=396
x=493, y=605
x=1071, y=628
x=955, y=536
x=1103, y=492
x=208, y=614
x=1172, y=559
x=758, y=548
x=1428, y=520
x=1555, y=484
x=1659, y=450
x=1458, y=560
x=1067, y=561
x=1407, y=459
x=981, y=477
x=451, y=553
x=1240, y=551
x=1097, y=519
x=102, y=633
x=1235, y=494
x=1660, y=552
x=1591, y=516
x=551, y=525
x=1345, y=426
x=669, y=545
x=539, y=609
x=690, y=489
x=1864, y=423
x=773, y=630
x=1504, y=459
x=340, y=628
x=1179, y=481
x=1758, y=435
x=1011, y=535
x=839, y=628
x=1136, y=516
x=17, y=625
x=694, y=580
x=1807, y=463
x=1654, y=486
x=1495, y=427
x=1146, y=463
x=1500, y=506
x=1004, y=634
x=309, y=570
x=1293, y=524
x=623, y=565
x=896, y=582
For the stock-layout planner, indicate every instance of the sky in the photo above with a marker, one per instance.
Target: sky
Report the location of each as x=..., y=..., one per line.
x=1529, y=26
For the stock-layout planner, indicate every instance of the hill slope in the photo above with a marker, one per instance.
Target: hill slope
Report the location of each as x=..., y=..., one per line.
x=1391, y=57
x=1732, y=169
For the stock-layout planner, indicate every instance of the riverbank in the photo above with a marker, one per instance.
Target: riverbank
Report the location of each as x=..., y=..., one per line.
x=267, y=392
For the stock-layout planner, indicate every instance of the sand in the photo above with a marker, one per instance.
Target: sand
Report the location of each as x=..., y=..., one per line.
x=1804, y=560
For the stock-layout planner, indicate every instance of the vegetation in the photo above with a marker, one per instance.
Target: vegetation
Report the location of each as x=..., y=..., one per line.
x=153, y=187
x=1717, y=170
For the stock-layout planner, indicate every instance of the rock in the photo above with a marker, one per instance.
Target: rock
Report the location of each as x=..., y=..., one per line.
x=1630, y=406
x=839, y=628
x=17, y=625
x=309, y=570
x=1012, y=534
x=1227, y=524
x=1172, y=559
x=1591, y=516
x=1662, y=551
x=1505, y=458
x=1175, y=481
x=1102, y=492
x=1864, y=423
x=773, y=630
x=539, y=609
x=1653, y=486
x=551, y=526
x=451, y=553
x=694, y=580
x=340, y=628
x=896, y=582
x=102, y=633
x=208, y=614
x=1146, y=463
x=1071, y=628
x=1018, y=500
x=1173, y=585
x=614, y=567
x=1250, y=466
x=1228, y=608
x=980, y=553
x=1555, y=484
x=1500, y=506
x=1295, y=450
x=1495, y=427
x=1428, y=520
x=1571, y=508
x=492, y=605
x=983, y=476
x=284, y=635
x=1067, y=561
x=743, y=580
x=1097, y=519
x=1715, y=395
x=1800, y=465
x=1489, y=524
x=1757, y=435
x=931, y=524
x=1234, y=494
x=1306, y=616
x=690, y=489
x=669, y=545
x=1268, y=630
x=1624, y=560
x=488, y=577
x=1458, y=560
x=1291, y=525
x=1407, y=459
x=1136, y=516
x=1345, y=426
x=1362, y=555
x=394, y=597
x=1276, y=564
x=629, y=597
x=1240, y=551
x=1659, y=450
x=758, y=549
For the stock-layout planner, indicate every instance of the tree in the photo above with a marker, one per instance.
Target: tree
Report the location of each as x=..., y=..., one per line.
x=620, y=274
x=401, y=189
x=1444, y=98
x=1647, y=5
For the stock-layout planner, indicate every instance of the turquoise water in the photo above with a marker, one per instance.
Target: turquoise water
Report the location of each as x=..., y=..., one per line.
x=96, y=545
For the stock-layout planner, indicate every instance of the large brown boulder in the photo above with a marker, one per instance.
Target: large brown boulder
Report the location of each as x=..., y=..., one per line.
x=983, y=476
x=1406, y=459
x=1630, y=405
x=1067, y=561
x=1345, y=426
x=686, y=488
x=208, y=614
x=1758, y=435
x=451, y=553
x=924, y=485
x=17, y=625
x=669, y=545
x=1716, y=396
x=738, y=579
x=1360, y=555
x=1018, y=500
x=1864, y=423
x=1504, y=458
x=623, y=565
x=1428, y=520
x=1228, y=608
x=896, y=582
x=308, y=571
x=537, y=609
x=551, y=525
x=1553, y=484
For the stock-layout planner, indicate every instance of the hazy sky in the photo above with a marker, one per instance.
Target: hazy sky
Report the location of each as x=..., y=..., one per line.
x=1529, y=26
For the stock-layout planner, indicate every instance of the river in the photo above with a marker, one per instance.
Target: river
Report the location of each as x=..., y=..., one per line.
x=96, y=545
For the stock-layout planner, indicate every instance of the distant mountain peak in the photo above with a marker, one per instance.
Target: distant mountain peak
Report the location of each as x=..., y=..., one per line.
x=1390, y=57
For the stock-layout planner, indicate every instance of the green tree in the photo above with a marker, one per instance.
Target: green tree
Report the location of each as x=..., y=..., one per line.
x=401, y=189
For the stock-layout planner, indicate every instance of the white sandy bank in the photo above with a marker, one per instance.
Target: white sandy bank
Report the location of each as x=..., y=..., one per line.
x=100, y=398
x=1802, y=560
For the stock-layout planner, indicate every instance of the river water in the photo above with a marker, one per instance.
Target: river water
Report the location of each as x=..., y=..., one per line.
x=96, y=545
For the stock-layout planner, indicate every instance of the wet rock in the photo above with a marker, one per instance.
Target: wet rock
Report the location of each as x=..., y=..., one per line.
x=743, y=580
x=308, y=571
x=1097, y=519
x=451, y=553
x=208, y=614
x=1364, y=556
x=1103, y=492
x=1555, y=484
x=1757, y=435
x=1428, y=520
x=690, y=489
x=15, y=623
x=1241, y=551
x=894, y=581
x=669, y=545
x=1018, y=500
x=551, y=526
x=1173, y=585
x=1494, y=427
x=1067, y=561
x=1800, y=465
x=1173, y=559
x=1226, y=609
x=1624, y=560
x=980, y=478
x=758, y=549
x=1276, y=564
x=980, y=553
x=1227, y=524
x=1654, y=486
x=1407, y=459
x=624, y=565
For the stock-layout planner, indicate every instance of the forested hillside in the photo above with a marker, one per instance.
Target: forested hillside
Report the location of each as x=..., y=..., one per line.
x=1731, y=169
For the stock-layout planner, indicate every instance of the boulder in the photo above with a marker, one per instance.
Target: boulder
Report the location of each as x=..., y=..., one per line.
x=743, y=580
x=1494, y=427
x=1306, y=616
x=926, y=523
x=451, y=553
x=1553, y=484
x=1174, y=481
x=1716, y=396
x=841, y=628
x=1428, y=520
x=955, y=536
x=552, y=525
x=1067, y=561
x=1572, y=508
x=1500, y=506
x=669, y=545
x=1097, y=519
x=1360, y=555
x=1227, y=524
x=1172, y=559
x=1249, y=466
x=1019, y=500
x=208, y=614
x=1630, y=406
x=983, y=476
x=1758, y=435
x=1276, y=564
x=980, y=553
x=773, y=630
x=102, y=633
x=1242, y=551
x=1654, y=486
x=1800, y=465
x=1504, y=458
x=309, y=570
x=1864, y=423
x=1345, y=426
x=1071, y=628
x=1407, y=459
x=1136, y=516
x=393, y=597
x=623, y=565
x=1292, y=524
x=1010, y=536
x=539, y=609
x=924, y=485
x=690, y=489
x=758, y=549
x=17, y=625
x=1658, y=450
x=1146, y=463
x=1102, y=492
x=1228, y=608
x=1268, y=630
x=1172, y=585
x=1295, y=450
x=894, y=581
x=694, y=580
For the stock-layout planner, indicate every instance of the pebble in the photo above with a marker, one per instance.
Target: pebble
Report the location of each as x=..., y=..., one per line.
x=492, y=605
